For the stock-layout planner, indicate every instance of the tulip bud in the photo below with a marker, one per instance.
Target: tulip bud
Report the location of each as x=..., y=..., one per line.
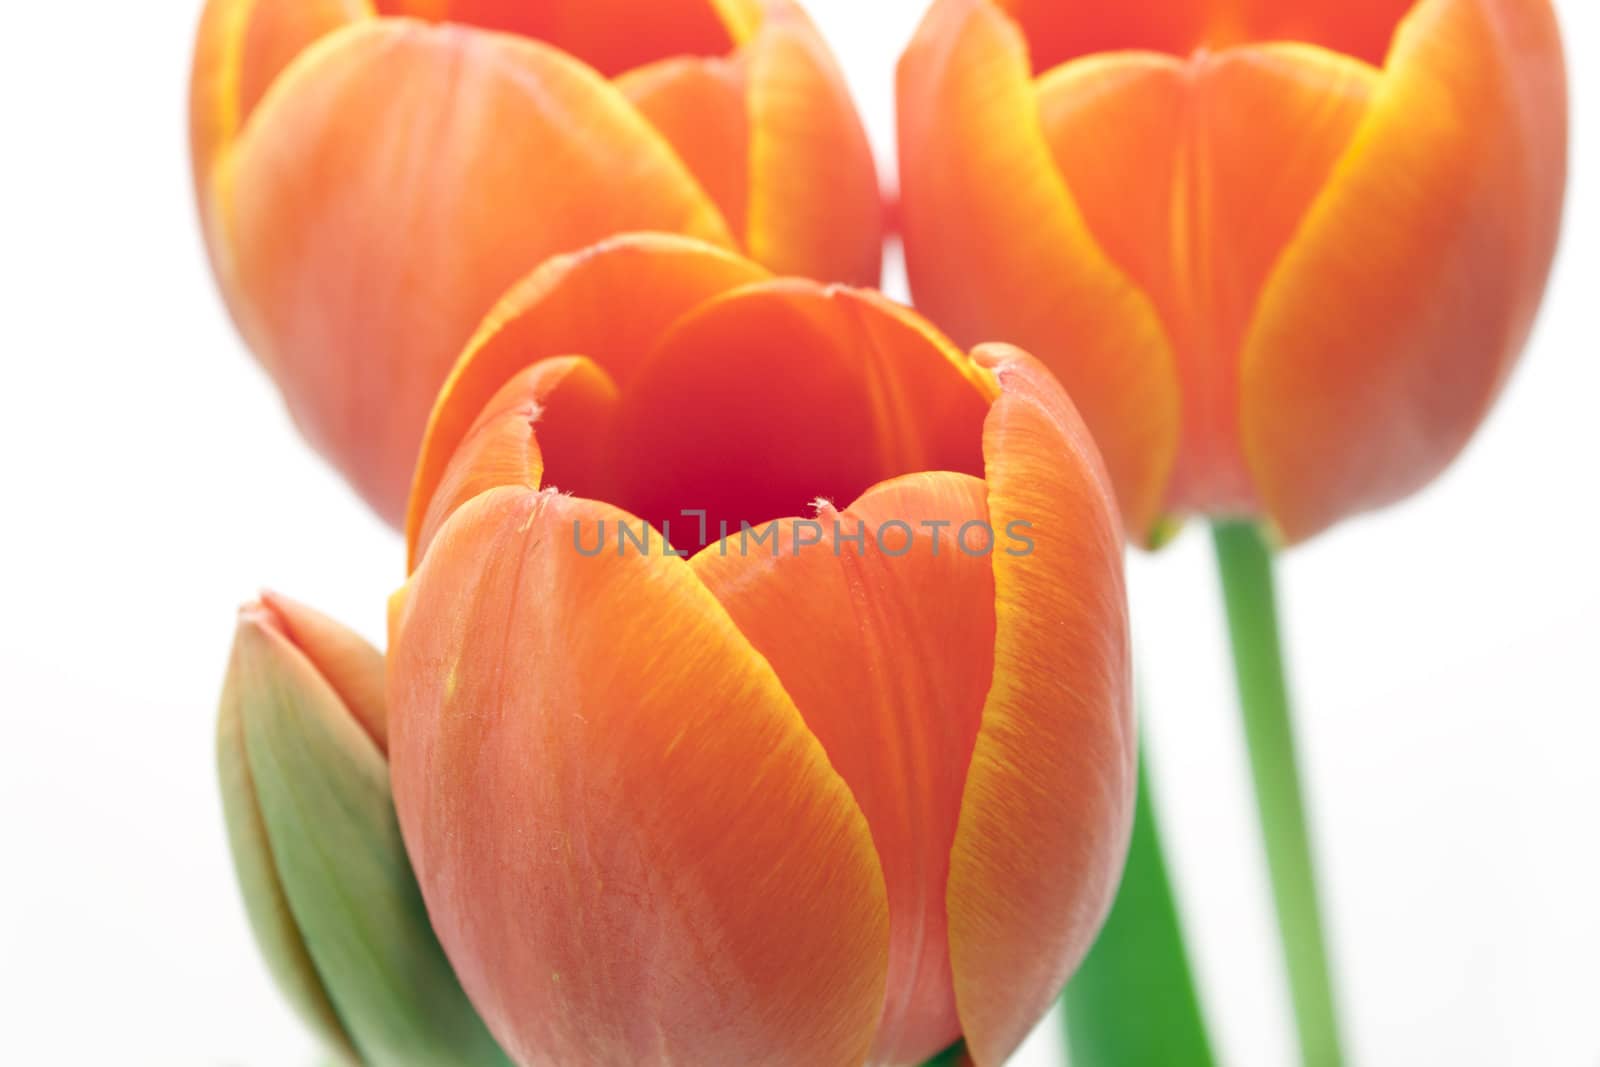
x=1282, y=254
x=329, y=891
x=689, y=778
x=371, y=177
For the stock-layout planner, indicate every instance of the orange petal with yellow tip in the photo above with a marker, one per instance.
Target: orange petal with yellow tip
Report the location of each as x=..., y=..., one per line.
x=997, y=249
x=887, y=647
x=815, y=207
x=610, y=35
x=240, y=49
x=1193, y=174
x=699, y=106
x=1062, y=30
x=1393, y=317
x=391, y=187
x=1048, y=806
x=764, y=399
x=565, y=401
x=629, y=858
x=610, y=303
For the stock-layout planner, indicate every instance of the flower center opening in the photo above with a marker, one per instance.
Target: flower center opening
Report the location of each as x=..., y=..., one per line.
x=749, y=406
x=767, y=401
x=612, y=36
x=1062, y=30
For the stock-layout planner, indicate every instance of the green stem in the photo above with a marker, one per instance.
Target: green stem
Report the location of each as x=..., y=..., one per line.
x=1133, y=1001
x=1245, y=564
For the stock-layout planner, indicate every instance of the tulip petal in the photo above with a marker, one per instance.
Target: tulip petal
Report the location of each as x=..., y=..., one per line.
x=1062, y=30
x=774, y=137
x=698, y=105
x=327, y=820
x=392, y=187
x=630, y=843
x=771, y=396
x=1392, y=319
x=815, y=207
x=742, y=17
x=342, y=657
x=240, y=49
x=610, y=35
x=1048, y=806
x=995, y=246
x=881, y=628
x=565, y=402
x=1194, y=175
x=574, y=304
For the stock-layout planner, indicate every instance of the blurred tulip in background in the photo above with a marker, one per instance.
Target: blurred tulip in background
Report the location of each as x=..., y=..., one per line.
x=1282, y=253
x=373, y=174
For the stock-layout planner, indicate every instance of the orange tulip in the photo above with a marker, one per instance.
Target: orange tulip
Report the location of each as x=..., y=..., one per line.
x=836, y=788
x=373, y=174
x=1282, y=253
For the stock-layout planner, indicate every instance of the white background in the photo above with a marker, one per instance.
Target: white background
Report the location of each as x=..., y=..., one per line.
x=1444, y=653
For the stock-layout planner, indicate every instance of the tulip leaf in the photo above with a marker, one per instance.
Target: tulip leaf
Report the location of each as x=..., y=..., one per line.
x=1133, y=1001
x=954, y=1056
x=323, y=793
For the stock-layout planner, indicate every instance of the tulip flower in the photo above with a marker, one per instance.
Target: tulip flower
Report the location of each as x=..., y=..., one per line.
x=372, y=175
x=844, y=785
x=326, y=882
x=1282, y=253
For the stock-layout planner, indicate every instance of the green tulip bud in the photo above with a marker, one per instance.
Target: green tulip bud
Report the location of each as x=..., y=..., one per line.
x=317, y=849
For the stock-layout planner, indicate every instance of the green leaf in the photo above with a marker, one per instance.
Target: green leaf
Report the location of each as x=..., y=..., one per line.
x=953, y=1056
x=1133, y=1001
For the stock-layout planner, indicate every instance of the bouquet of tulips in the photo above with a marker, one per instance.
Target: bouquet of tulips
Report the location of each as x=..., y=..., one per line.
x=759, y=684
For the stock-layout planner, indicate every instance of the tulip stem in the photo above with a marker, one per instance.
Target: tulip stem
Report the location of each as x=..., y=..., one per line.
x=1244, y=562
x=1133, y=1001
